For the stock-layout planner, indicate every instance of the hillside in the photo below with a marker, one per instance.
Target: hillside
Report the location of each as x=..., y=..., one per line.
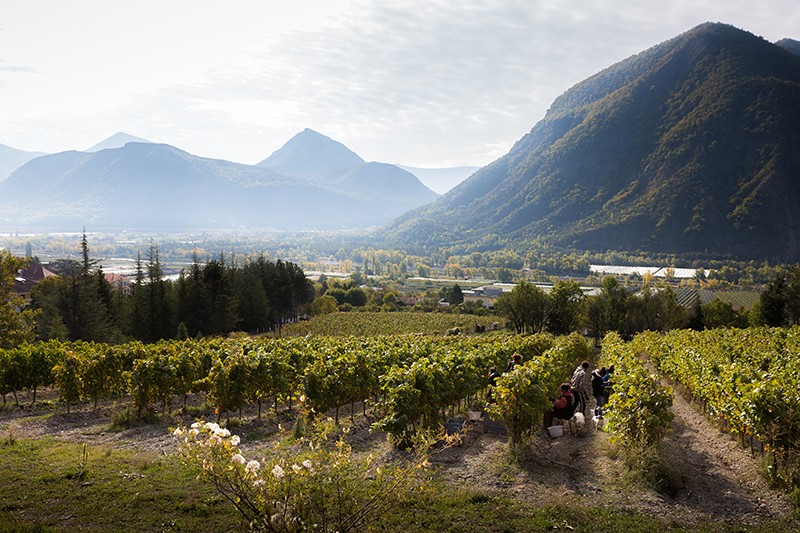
x=688, y=147
x=11, y=159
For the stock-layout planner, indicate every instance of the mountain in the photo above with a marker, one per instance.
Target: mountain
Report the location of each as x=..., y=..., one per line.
x=146, y=185
x=381, y=180
x=311, y=154
x=441, y=180
x=118, y=140
x=790, y=44
x=690, y=147
x=321, y=160
x=11, y=159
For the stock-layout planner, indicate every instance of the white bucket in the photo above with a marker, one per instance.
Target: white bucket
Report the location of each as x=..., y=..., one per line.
x=556, y=431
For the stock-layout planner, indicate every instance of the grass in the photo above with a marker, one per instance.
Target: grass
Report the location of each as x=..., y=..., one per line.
x=66, y=486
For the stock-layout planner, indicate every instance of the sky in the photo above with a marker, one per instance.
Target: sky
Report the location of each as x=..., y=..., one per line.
x=434, y=83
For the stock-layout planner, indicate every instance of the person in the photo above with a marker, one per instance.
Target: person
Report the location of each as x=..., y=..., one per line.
x=581, y=385
x=493, y=375
x=564, y=406
x=607, y=383
x=597, y=391
x=516, y=359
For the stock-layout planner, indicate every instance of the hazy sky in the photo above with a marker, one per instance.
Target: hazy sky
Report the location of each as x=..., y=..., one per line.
x=424, y=83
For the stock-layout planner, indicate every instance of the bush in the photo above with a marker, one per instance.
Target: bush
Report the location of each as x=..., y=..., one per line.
x=312, y=485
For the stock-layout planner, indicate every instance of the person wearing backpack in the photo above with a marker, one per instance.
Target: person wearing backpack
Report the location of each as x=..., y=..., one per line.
x=564, y=406
x=598, y=386
x=581, y=385
x=608, y=383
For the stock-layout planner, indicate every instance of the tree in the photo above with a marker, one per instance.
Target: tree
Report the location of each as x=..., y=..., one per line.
x=719, y=314
x=566, y=307
x=453, y=295
x=324, y=305
x=83, y=298
x=654, y=309
x=773, y=300
x=46, y=297
x=252, y=298
x=525, y=307
x=780, y=301
x=17, y=324
x=356, y=297
x=606, y=311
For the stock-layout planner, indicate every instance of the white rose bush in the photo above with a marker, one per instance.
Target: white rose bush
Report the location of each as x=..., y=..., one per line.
x=309, y=484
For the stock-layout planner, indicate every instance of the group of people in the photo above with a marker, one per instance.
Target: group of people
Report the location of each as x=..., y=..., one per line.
x=574, y=395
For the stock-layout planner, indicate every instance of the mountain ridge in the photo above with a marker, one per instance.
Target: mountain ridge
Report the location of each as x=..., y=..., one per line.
x=641, y=156
x=158, y=185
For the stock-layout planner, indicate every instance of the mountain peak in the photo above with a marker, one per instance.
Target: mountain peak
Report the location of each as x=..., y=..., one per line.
x=686, y=147
x=311, y=154
x=790, y=45
x=118, y=140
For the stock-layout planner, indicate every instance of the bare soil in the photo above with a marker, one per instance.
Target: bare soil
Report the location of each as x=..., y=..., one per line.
x=708, y=476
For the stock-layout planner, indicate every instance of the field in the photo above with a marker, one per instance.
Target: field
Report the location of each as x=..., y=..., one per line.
x=101, y=469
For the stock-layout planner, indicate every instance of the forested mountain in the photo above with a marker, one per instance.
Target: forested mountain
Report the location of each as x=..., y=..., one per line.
x=148, y=185
x=11, y=159
x=690, y=147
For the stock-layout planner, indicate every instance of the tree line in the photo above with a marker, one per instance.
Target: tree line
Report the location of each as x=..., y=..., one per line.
x=650, y=307
x=214, y=298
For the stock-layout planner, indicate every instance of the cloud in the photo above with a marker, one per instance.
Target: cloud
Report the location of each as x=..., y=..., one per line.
x=26, y=70
x=409, y=81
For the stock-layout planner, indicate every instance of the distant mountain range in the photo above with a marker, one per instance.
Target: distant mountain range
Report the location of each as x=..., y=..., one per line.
x=125, y=184
x=11, y=159
x=690, y=147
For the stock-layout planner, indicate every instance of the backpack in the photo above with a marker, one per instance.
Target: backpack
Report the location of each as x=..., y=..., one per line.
x=568, y=410
x=571, y=406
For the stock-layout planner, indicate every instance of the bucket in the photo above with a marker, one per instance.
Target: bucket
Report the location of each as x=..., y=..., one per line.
x=555, y=431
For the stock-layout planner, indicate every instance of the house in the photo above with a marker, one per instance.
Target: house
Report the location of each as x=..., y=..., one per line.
x=119, y=282
x=487, y=294
x=27, y=278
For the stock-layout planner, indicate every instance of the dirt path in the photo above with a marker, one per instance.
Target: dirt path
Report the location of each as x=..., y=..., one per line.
x=719, y=478
x=710, y=477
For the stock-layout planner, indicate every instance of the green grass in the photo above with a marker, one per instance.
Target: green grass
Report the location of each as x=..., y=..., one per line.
x=51, y=484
